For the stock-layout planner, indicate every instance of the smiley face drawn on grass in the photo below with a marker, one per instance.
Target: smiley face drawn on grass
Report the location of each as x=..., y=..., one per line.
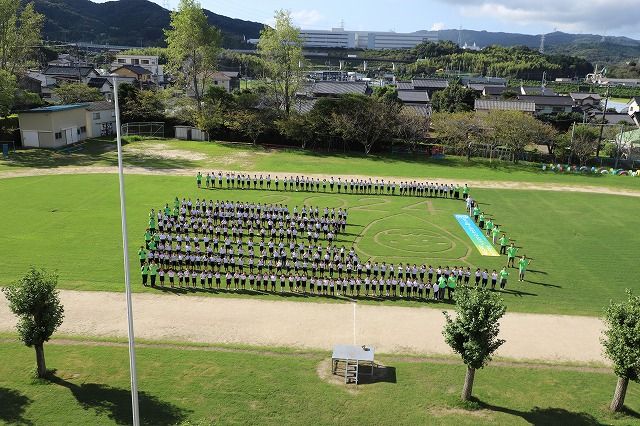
x=415, y=242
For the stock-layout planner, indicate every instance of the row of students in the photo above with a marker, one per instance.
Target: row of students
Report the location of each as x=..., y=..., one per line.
x=414, y=188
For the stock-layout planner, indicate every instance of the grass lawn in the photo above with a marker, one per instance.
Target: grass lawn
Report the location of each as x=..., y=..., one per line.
x=196, y=386
x=583, y=248
x=226, y=156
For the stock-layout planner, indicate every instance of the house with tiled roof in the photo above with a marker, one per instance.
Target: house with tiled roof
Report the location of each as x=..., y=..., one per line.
x=488, y=105
x=549, y=104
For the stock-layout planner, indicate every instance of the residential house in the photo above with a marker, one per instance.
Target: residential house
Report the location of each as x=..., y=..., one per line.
x=149, y=62
x=493, y=92
x=67, y=60
x=76, y=73
x=104, y=85
x=413, y=96
x=549, y=104
x=30, y=84
x=537, y=91
x=585, y=99
x=333, y=89
x=228, y=80
x=615, y=118
x=142, y=75
x=633, y=109
x=60, y=125
x=429, y=85
x=488, y=105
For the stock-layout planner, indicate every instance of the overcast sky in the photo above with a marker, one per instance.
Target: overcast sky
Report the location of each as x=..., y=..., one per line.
x=608, y=17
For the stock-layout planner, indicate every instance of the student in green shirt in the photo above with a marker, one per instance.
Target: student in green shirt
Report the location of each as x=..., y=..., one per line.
x=481, y=221
x=153, y=271
x=522, y=266
x=476, y=213
x=503, y=277
x=488, y=226
x=152, y=223
x=451, y=286
x=511, y=255
x=208, y=180
x=144, y=270
x=495, y=232
x=503, y=244
x=465, y=192
x=147, y=237
x=176, y=203
x=442, y=283
x=142, y=255
x=199, y=179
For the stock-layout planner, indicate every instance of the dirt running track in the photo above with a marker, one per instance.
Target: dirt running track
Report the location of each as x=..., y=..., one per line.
x=389, y=329
x=188, y=172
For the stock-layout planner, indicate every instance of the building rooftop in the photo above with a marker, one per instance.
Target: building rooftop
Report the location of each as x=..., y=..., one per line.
x=338, y=88
x=97, y=82
x=100, y=106
x=490, y=104
x=494, y=90
x=536, y=90
x=413, y=96
x=133, y=68
x=582, y=96
x=54, y=108
x=548, y=100
x=68, y=71
x=429, y=83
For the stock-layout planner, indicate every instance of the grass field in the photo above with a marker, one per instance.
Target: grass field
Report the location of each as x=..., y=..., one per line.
x=181, y=385
x=167, y=154
x=583, y=246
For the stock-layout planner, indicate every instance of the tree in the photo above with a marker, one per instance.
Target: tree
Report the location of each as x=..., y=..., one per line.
x=516, y=130
x=8, y=88
x=584, y=142
x=364, y=120
x=280, y=48
x=411, y=127
x=192, y=48
x=474, y=332
x=454, y=98
x=297, y=128
x=71, y=93
x=249, y=123
x=621, y=341
x=19, y=35
x=459, y=130
x=35, y=301
x=139, y=105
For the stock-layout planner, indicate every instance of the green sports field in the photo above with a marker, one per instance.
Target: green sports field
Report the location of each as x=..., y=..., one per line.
x=188, y=385
x=174, y=154
x=583, y=246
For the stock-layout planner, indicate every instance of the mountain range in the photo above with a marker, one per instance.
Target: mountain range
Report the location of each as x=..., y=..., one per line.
x=140, y=23
x=133, y=23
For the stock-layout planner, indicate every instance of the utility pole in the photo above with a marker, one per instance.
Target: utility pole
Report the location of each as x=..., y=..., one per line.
x=604, y=115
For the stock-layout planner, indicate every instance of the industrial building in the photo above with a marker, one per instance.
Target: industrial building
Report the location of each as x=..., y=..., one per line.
x=341, y=38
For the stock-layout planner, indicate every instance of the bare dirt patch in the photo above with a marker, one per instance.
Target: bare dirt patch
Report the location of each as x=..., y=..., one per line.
x=308, y=325
x=324, y=372
x=161, y=150
x=445, y=411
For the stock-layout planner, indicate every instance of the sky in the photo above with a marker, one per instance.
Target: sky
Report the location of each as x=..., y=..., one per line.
x=605, y=17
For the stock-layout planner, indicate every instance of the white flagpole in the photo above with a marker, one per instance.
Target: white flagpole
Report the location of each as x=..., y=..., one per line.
x=127, y=278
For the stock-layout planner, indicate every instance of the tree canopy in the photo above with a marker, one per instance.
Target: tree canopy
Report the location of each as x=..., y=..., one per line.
x=35, y=301
x=192, y=48
x=19, y=35
x=621, y=341
x=280, y=48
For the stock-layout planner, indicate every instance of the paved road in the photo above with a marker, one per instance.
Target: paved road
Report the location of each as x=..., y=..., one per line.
x=389, y=329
